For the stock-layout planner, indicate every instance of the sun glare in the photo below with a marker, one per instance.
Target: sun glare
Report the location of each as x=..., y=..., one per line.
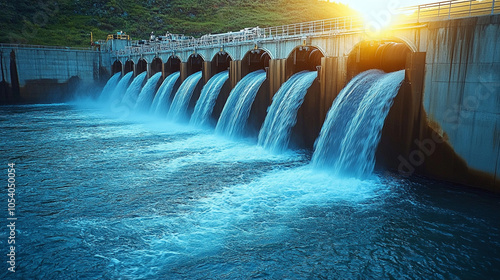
x=378, y=15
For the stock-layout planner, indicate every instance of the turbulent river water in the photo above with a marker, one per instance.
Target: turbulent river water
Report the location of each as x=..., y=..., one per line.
x=103, y=197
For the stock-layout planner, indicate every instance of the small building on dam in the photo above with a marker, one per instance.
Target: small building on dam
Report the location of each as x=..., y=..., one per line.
x=443, y=123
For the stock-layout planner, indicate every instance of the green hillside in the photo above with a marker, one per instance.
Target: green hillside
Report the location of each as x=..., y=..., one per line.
x=70, y=22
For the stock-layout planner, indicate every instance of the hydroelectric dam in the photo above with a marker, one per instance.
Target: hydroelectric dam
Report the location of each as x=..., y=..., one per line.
x=444, y=122
x=445, y=119
x=333, y=149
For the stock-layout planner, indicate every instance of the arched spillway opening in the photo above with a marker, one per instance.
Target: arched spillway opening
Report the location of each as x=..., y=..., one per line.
x=116, y=67
x=156, y=66
x=172, y=65
x=220, y=63
x=304, y=58
x=194, y=64
x=309, y=119
x=387, y=56
x=142, y=66
x=254, y=60
x=129, y=66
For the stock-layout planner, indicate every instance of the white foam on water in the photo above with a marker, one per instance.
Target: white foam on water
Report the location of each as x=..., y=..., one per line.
x=261, y=211
x=210, y=148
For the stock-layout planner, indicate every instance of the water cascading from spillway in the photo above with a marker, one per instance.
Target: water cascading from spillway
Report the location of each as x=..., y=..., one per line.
x=110, y=87
x=147, y=93
x=282, y=114
x=130, y=97
x=205, y=105
x=161, y=102
x=235, y=114
x=121, y=88
x=179, y=106
x=350, y=135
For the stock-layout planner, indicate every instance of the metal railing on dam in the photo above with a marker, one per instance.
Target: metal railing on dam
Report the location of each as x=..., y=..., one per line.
x=42, y=47
x=438, y=11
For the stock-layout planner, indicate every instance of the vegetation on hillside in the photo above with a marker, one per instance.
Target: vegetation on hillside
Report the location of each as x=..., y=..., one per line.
x=70, y=22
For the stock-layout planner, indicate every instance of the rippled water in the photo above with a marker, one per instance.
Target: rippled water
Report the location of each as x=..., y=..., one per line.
x=101, y=197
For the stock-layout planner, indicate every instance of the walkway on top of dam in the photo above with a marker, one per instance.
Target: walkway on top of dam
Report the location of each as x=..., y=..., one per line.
x=413, y=16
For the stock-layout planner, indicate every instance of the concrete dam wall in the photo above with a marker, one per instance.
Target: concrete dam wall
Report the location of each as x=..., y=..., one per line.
x=462, y=90
x=43, y=75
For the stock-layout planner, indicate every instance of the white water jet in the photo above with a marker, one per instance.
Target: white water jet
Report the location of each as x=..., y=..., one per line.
x=205, y=105
x=351, y=133
x=282, y=114
x=161, y=102
x=147, y=93
x=235, y=114
x=110, y=87
x=179, y=107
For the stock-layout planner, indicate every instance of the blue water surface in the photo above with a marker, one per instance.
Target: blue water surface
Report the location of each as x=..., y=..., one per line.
x=103, y=197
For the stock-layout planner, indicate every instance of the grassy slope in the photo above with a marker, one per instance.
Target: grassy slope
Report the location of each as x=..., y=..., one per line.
x=69, y=22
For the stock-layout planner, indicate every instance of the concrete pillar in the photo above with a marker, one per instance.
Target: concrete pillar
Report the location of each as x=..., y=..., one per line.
x=235, y=72
x=207, y=71
x=149, y=70
x=14, y=79
x=332, y=77
x=276, y=74
x=184, y=71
